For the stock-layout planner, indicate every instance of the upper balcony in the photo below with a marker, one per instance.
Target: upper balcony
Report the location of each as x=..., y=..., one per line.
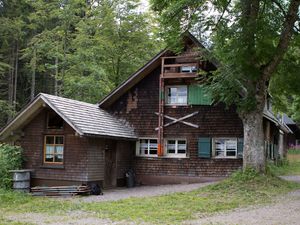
x=180, y=67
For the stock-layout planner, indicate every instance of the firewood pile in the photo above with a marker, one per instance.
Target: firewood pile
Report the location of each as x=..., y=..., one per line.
x=60, y=191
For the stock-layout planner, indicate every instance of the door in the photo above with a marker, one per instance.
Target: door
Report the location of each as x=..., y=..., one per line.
x=110, y=175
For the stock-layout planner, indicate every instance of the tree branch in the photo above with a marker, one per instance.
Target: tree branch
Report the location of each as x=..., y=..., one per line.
x=284, y=12
x=224, y=10
x=285, y=38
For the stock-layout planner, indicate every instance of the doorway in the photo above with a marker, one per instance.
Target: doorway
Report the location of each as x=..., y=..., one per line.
x=110, y=174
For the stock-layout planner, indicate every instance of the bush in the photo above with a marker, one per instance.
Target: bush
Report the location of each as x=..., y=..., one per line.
x=10, y=159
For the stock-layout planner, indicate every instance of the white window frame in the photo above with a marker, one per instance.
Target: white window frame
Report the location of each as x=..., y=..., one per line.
x=214, y=152
x=176, y=154
x=168, y=98
x=138, y=147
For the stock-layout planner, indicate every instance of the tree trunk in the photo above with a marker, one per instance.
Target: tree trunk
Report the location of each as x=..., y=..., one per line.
x=16, y=76
x=11, y=79
x=33, y=75
x=56, y=77
x=254, y=153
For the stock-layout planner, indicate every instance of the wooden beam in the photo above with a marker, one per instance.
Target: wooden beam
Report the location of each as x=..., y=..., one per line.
x=180, y=120
x=180, y=75
x=181, y=64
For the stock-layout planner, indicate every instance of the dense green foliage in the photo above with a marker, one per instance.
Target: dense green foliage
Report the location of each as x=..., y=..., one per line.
x=245, y=37
x=242, y=189
x=10, y=159
x=77, y=49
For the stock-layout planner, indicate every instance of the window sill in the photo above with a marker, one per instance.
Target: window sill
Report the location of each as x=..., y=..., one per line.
x=225, y=158
x=177, y=106
x=52, y=166
x=175, y=156
x=162, y=157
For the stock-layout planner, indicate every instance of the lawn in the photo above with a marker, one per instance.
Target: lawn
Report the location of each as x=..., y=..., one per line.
x=289, y=167
x=239, y=190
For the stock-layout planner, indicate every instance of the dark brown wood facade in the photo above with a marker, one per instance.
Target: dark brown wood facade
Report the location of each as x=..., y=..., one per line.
x=139, y=105
x=85, y=159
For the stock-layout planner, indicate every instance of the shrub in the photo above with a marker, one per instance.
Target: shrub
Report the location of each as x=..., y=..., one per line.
x=10, y=159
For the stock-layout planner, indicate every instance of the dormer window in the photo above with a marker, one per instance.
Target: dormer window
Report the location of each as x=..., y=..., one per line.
x=188, y=69
x=54, y=121
x=176, y=95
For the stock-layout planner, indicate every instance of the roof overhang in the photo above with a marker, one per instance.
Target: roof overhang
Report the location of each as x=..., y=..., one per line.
x=27, y=114
x=132, y=80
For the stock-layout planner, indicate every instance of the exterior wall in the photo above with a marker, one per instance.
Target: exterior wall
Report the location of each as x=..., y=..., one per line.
x=95, y=160
x=74, y=170
x=138, y=107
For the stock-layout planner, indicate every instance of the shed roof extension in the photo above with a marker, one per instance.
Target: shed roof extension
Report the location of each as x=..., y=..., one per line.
x=85, y=118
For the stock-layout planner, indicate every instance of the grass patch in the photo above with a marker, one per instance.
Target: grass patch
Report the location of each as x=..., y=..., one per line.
x=241, y=189
x=294, y=151
x=287, y=167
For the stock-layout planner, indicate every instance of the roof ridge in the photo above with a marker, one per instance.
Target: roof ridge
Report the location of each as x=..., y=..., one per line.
x=68, y=99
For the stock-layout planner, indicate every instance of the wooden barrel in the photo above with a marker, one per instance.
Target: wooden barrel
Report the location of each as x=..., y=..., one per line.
x=21, y=180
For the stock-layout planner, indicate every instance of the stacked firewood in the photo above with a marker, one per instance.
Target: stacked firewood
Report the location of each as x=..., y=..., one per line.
x=63, y=191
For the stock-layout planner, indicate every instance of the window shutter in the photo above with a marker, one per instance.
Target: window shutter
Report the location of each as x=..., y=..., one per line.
x=197, y=95
x=240, y=146
x=204, y=147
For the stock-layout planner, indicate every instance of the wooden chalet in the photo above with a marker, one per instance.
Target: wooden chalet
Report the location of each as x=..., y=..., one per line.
x=159, y=122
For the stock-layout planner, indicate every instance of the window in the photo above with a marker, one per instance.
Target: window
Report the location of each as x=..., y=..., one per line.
x=147, y=147
x=225, y=147
x=54, y=121
x=176, y=95
x=188, y=69
x=176, y=147
x=54, y=149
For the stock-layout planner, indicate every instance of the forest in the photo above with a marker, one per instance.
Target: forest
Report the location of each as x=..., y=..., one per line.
x=76, y=49
x=82, y=49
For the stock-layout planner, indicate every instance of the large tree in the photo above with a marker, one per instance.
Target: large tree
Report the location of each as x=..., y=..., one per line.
x=250, y=39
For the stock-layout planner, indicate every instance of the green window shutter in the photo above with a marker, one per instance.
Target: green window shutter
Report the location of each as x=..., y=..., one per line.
x=197, y=95
x=204, y=148
x=240, y=146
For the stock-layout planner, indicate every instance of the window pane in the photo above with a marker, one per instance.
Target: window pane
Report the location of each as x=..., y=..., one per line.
x=231, y=153
x=59, y=140
x=181, y=151
x=49, y=149
x=153, y=152
x=59, y=149
x=220, y=145
x=231, y=145
x=49, y=139
x=58, y=158
x=171, y=146
x=220, y=154
x=49, y=158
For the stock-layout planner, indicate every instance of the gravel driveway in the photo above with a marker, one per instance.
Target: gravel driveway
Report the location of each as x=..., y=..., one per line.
x=143, y=191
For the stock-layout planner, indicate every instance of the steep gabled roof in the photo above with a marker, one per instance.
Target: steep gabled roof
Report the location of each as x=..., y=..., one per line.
x=143, y=72
x=86, y=119
x=132, y=80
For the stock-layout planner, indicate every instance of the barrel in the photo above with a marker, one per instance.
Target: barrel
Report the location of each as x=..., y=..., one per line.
x=21, y=180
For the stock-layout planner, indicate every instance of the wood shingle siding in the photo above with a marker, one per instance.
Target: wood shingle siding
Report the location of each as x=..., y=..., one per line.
x=75, y=158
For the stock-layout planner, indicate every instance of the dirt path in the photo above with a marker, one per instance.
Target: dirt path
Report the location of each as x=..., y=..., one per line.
x=285, y=210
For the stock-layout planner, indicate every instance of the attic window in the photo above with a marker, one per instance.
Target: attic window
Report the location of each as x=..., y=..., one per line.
x=54, y=121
